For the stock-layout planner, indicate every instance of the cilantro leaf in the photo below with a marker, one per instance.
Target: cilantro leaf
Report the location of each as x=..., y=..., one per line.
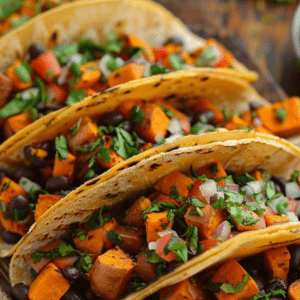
x=61, y=147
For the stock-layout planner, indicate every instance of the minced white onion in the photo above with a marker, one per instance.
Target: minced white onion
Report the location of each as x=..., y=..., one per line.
x=165, y=232
x=27, y=184
x=223, y=230
x=256, y=186
x=208, y=188
x=152, y=245
x=292, y=190
x=174, y=137
x=174, y=126
x=29, y=93
x=292, y=216
x=274, y=202
x=159, y=137
x=103, y=67
x=147, y=70
x=62, y=79
x=76, y=58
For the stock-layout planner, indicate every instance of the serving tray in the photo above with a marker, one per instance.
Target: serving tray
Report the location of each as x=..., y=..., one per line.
x=266, y=86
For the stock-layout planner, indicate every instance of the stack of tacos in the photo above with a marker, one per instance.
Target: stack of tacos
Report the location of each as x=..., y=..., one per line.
x=139, y=185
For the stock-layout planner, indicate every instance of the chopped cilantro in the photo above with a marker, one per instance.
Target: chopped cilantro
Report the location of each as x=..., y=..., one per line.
x=136, y=114
x=5, y=186
x=75, y=96
x=104, y=154
x=176, y=61
x=227, y=115
x=3, y=207
x=195, y=202
x=61, y=147
x=294, y=176
x=75, y=69
x=196, y=211
x=157, y=69
x=23, y=73
x=114, y=237
x=281, y=114
x=174, y=194
x=74, y=130
x=167, y=112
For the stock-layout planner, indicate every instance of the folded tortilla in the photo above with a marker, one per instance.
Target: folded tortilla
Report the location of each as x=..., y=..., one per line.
x=94, y=19
x=238, y=151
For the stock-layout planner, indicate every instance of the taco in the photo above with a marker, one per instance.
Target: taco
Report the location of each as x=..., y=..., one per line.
x=64, y=149
x=270, y=274
x=210, y=194
x=86, y=47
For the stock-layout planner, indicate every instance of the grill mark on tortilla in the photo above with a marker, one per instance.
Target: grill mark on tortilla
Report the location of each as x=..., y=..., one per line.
x=170, y=97
x=79, y=192
x=154, y=167
x=279, y=243
x=48, y=123
x=127, y=92
x=157, y=84
x=112, y=195
x=132, y=164
x=92, y=182
x=172, y=149
x=204, y=78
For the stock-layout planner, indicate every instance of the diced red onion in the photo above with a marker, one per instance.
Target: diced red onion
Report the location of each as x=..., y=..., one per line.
x=91, y=34
x=292, y=190
x=232, y=187
x=174, y=126
x=223, y=230
x=208, y=188
x=292, y=216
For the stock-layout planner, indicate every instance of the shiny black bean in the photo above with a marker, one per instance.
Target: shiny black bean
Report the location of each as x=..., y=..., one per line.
x=35, y=50
x=10, y=237
x=35, y=160
x=293, y=276
x=20, y=203
x=204, y=116
x=71, y=295
x=127, y=126
x=252, y=266
x=89, y=294
x=111, y=118
x=281, y=182
x=260, y=281
x=295, y=257
x=54, y=184
x=275, y=285
x=34, y=273
x=254, y=105
x=25, y=172
x=83, y=288
x=49, y=147
x=72, y=273
x=20, y=291
x=175, y=40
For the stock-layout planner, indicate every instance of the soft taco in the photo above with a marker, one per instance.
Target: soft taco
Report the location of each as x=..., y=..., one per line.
x=57, y=153
x=175, y=213
x=86, y=47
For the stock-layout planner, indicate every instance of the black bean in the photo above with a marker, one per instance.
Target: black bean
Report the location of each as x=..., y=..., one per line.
x=72, y=273
x=204, y=117
x=280, y=181
x=252, y=266
x=54, y=184
x=58, y=106
x=25, y=172
x=175, y=40
x=35, y=160
x=295, y=257
x=260, y=281
x=254, y=105
x=111, y=118
x=19, y=203
x=89, y=294
x=83, y=288
x=71, y=295
x=154, y=296
x=189, y=113
x=49, y=147
x=293, y=276
x=20, y=291
x=10, y=237
x=275, y=285
x=35, y=50
x=34, y=273
x=127, y=126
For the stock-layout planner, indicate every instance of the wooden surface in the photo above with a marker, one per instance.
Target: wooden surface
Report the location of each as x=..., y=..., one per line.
x=261, y=26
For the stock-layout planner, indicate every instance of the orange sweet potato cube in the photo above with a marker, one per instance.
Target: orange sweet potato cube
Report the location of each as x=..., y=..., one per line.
x=232, y=272
x=64, y=167
x=16, y=123
x=175, y=182
x=50, y=284
x=213, y=170
x=45, y=201
x=275, y=219
x=144, y=269
x=277, y=262
x=111, y=273
x=157, y=222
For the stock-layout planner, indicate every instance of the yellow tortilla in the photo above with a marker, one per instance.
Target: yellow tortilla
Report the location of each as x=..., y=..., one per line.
x=239, y=151
x=94, y=19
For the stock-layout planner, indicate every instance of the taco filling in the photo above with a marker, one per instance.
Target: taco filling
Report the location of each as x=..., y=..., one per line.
x=122, y=250
x=272, y=275
x=47, y=80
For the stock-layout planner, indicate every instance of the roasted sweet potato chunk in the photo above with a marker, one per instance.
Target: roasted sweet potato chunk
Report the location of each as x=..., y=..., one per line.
x=144, y=269
x=45, y=201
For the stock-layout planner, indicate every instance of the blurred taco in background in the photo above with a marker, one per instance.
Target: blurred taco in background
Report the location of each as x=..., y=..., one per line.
x=86, y=47
x=43, y=162
x=164, y=219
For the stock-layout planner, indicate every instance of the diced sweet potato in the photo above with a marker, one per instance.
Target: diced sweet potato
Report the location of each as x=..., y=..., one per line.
x=90, y=75
x=288, y=124
x=50, y=284
x=157, y=222
x=174, y=182
x=233, y=273
x=95, y=239
x=154, y=124
x=124, y=74
x=208, y=223
x=257, y=175
x=164, y=198
x=203, y=105
x=294, y=290
x=275, y=220
x=45, y=201
x=277, y=262
x=132, y=240
x=47, y=170
x=16, y=123
x=236, y=123
x=125, y=107
x=18, y=83
x=111, y=273
x=208, y=244
x=181, y=290
x=57, y=95
x=64, y=261
x=86, y=134
x=144, y=269
x=134, y=217
x=196, y=192
x=6, y=86
x=213, y=170
x=64, y=167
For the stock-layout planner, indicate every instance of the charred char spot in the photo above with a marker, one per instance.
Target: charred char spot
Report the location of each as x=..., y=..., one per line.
x=54, y=36
x=133, y=163
x=172, y=149
x=127, y=92
x=79, y=108
x=79, y=192
x=112, y=195
x=156, y=85
x=154, y=167
x=92, y=182
x=204, y=78
x=112, y=89
x=48, y=123
x=170, y=96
